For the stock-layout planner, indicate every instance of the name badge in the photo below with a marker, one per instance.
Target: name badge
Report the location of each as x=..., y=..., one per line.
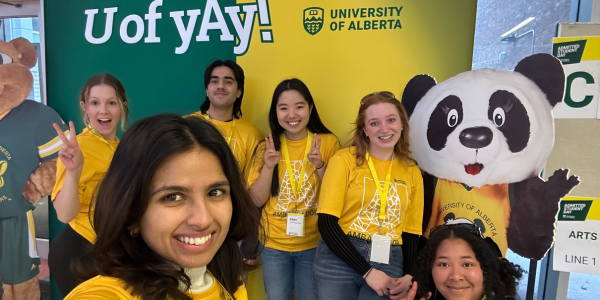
x=380, y=248
x=295, y=224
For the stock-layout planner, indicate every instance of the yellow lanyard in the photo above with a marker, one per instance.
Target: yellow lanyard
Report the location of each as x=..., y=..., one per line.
x=383, y=193
x=228, y=139
x=288, y=163
x=101, y=138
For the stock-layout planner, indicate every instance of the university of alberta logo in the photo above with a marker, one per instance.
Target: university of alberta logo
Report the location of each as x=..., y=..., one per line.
x=313, y=20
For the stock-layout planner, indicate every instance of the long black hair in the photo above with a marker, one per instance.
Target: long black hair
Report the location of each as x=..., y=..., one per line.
x=499, y=275
x=315, y=125
x=238, y=74
x=123, y=197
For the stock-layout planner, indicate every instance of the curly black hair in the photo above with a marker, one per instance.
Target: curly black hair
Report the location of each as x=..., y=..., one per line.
x=500, y=277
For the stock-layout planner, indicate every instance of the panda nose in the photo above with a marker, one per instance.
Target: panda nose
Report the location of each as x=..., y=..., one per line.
x=476, y=137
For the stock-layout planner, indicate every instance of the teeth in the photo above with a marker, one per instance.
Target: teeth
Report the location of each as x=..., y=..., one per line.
x=293, y=123
x=193, y=240
x=385, y=137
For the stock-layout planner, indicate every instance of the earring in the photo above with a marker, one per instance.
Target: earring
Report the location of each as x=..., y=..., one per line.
x=132, y=234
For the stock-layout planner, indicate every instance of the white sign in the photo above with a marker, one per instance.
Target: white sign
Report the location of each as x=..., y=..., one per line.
x=577, y=242
x=581, y=61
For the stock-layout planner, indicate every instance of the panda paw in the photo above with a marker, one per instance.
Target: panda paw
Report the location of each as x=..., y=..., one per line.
x=560, y=183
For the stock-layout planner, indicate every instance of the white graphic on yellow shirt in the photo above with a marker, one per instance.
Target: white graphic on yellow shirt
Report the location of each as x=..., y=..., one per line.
x=287, y=201
x=369, y=214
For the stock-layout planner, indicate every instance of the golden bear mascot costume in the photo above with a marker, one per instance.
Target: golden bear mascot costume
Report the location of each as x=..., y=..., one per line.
x=29, y=147
x=483, y=138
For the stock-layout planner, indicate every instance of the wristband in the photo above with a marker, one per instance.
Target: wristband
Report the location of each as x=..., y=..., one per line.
x=367, y=274
x=321, y=167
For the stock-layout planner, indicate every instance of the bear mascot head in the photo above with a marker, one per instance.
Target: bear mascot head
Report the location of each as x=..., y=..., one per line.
x=483, y=138
x=29, y=147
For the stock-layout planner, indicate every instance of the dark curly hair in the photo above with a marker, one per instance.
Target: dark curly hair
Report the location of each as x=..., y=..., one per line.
x=500, y=277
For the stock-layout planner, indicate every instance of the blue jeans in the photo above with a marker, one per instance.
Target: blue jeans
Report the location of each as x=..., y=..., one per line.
x=284, y=272
x=334, y=279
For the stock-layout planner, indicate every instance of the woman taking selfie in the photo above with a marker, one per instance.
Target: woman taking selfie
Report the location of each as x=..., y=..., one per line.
x=370, y=208
x=168, y=216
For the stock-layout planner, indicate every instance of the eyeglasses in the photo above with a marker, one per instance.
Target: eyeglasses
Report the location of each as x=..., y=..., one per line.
x=383, y=94
x=472, y=228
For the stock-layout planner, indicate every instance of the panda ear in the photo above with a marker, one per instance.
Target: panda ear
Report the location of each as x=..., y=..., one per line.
x=547, y=73
x=414, y=91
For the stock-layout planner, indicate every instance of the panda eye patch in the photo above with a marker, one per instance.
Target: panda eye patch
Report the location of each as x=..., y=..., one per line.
x=444, y=119
x=507, y=113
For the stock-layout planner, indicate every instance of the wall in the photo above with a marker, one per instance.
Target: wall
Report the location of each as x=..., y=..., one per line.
x=494, y=18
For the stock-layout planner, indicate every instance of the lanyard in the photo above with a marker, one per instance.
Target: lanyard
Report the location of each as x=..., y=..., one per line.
x=228, y=139
x=383, y=193
x=288, y=163
x=100, y=137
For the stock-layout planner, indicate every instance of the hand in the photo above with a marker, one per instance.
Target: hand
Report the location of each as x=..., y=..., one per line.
x=70, y=154
x=315, y=154
x=412, y=292
x=272, y=157
x=399, y=287
x=378, y=281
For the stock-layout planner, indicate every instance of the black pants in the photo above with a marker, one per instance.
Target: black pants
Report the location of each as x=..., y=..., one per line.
x=68, y=247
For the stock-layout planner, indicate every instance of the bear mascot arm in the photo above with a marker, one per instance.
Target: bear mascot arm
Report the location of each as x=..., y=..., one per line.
x=19, y=83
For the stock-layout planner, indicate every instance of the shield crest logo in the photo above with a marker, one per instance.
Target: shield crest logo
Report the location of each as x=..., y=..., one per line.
x=313, y=20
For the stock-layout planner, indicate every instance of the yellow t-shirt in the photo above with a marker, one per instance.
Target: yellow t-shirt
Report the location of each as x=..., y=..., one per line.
x=488, y=207
x=110, y=288
x=274, y=217
x=243, y=142
x=349, y=193
x=97, y=157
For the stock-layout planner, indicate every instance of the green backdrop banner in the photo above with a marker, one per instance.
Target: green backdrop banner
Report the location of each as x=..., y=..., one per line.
x=342, y=49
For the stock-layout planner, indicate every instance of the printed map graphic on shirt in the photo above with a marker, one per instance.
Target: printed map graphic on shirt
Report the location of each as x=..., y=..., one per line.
x=369, y=215
x=306, y=194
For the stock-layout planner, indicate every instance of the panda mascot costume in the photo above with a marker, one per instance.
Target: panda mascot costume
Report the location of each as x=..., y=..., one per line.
x=482, y=139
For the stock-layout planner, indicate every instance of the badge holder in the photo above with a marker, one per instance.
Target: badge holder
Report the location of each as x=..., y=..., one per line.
x=380, y=248
x=295, y=224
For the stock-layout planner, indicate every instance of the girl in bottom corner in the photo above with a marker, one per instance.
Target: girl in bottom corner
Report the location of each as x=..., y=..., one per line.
x=458, y=263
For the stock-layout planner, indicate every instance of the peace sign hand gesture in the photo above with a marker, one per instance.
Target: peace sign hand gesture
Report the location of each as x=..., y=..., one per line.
x=70, y=154
x=315, y=154
x=272, y=156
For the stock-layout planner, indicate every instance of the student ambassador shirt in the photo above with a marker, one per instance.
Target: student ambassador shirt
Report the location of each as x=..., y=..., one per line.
x=97, y=157
x=349, y=193
x=110, y=288
x=243, y=142
x=274, y=217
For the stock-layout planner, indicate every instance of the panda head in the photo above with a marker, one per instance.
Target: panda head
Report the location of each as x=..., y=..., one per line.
x=486, y=126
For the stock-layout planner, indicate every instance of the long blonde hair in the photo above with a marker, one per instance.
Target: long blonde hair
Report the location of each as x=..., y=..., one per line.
x=361, y=141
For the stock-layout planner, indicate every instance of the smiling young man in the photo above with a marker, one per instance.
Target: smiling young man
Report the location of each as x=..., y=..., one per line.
x=224, y=84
